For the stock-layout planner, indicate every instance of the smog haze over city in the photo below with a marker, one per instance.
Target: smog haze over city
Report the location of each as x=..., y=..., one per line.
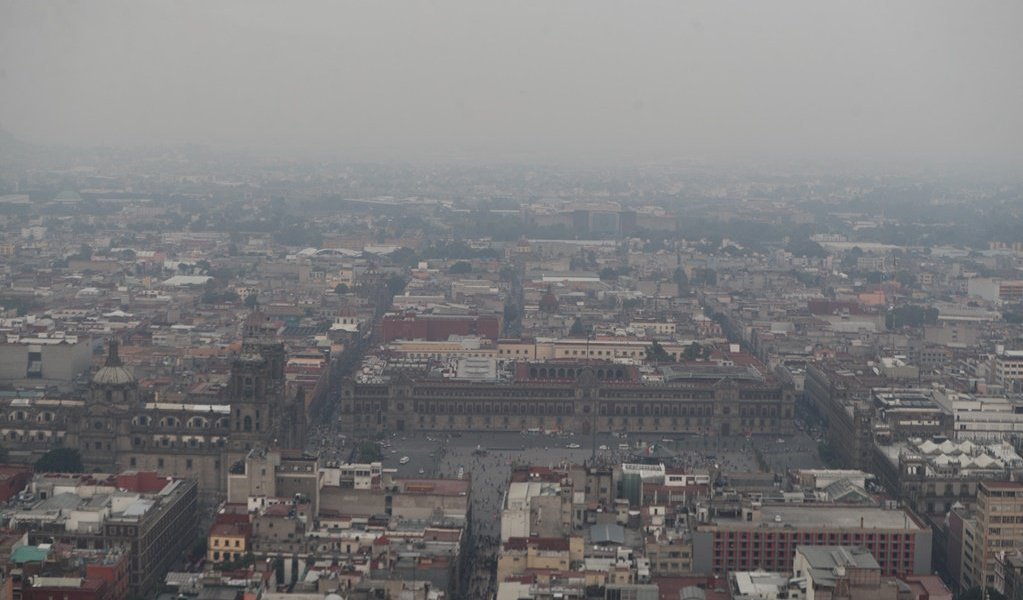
x=480, y=300
x=568, y=82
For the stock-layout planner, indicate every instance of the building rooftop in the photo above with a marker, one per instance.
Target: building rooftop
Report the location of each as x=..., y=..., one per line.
x=711, y=372
x=828, y=563
x=39, y=581
x=138, y=508
x=440, y=487
x=113, y=372
x=1003, y=485
x=759, y=584
x=607, y=534
x=830, y=517
x=30, y=554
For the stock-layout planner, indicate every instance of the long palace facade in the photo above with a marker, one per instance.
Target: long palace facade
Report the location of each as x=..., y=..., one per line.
x=709, y=399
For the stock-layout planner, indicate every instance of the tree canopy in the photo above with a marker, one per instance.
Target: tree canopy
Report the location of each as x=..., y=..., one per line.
x=60, y=460
x=976, y=593
x=806, y=247
x=657, y=353
x=396, y=284
x=910, y=315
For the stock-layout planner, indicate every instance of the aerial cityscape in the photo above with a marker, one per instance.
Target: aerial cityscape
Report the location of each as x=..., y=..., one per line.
x=272, y=367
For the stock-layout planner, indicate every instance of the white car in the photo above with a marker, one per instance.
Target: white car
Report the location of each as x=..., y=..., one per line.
x=603, y=447
x=573, y=446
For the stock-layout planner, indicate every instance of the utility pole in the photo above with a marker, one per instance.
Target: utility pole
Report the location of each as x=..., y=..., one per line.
x=593, y=428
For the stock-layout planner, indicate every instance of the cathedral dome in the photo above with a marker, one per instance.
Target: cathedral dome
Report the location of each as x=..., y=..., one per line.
x=113, y=372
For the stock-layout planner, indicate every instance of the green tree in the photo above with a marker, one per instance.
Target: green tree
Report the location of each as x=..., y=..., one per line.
x=212, y=296
x=20, y=306
x=395, y=284
x=693, y=351
x=460, y=268
x=405, y=257
x=199, y=547
x=874, y=277
x=60, y=460
x=806, y=247
x=657, y=353
x=705, y=276
x=511, y=313
x=976, y=593
x=905, y=278
x=578, y=329
x=849, y=258
x=827, y=453
x=341, y=289
x=251, y=301
x=910, y=315
x=244, y=561
x=608, y=274
x=369, y=452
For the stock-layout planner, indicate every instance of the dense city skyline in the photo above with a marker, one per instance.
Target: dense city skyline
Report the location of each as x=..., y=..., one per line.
x=581, y=300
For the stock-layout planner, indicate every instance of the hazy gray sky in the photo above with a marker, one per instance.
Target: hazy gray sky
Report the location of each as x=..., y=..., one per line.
x=569, y=81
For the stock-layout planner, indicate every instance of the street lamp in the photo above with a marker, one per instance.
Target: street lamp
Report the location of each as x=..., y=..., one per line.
x=593, y=410
x=415, y=563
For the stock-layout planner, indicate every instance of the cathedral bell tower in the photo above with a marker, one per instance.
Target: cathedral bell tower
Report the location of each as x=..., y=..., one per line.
x=256, y=388
x=252, y=396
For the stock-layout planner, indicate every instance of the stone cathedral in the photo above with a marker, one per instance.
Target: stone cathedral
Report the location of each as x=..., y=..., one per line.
x=115, y=431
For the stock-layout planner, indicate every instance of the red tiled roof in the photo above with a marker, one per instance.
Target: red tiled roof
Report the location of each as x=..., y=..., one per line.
x=541, y=543
x=669, y=587
x=536, y=473
x=441, y=487
x=231, y=529
x=142, y=482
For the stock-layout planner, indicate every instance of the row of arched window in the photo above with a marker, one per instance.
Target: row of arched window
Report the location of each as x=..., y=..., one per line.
x=21, y=415
x=609, y=374
x=172, y=422
x=15, y=435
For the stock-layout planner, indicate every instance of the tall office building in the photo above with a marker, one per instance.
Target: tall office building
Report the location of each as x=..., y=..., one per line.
x=999, y=529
